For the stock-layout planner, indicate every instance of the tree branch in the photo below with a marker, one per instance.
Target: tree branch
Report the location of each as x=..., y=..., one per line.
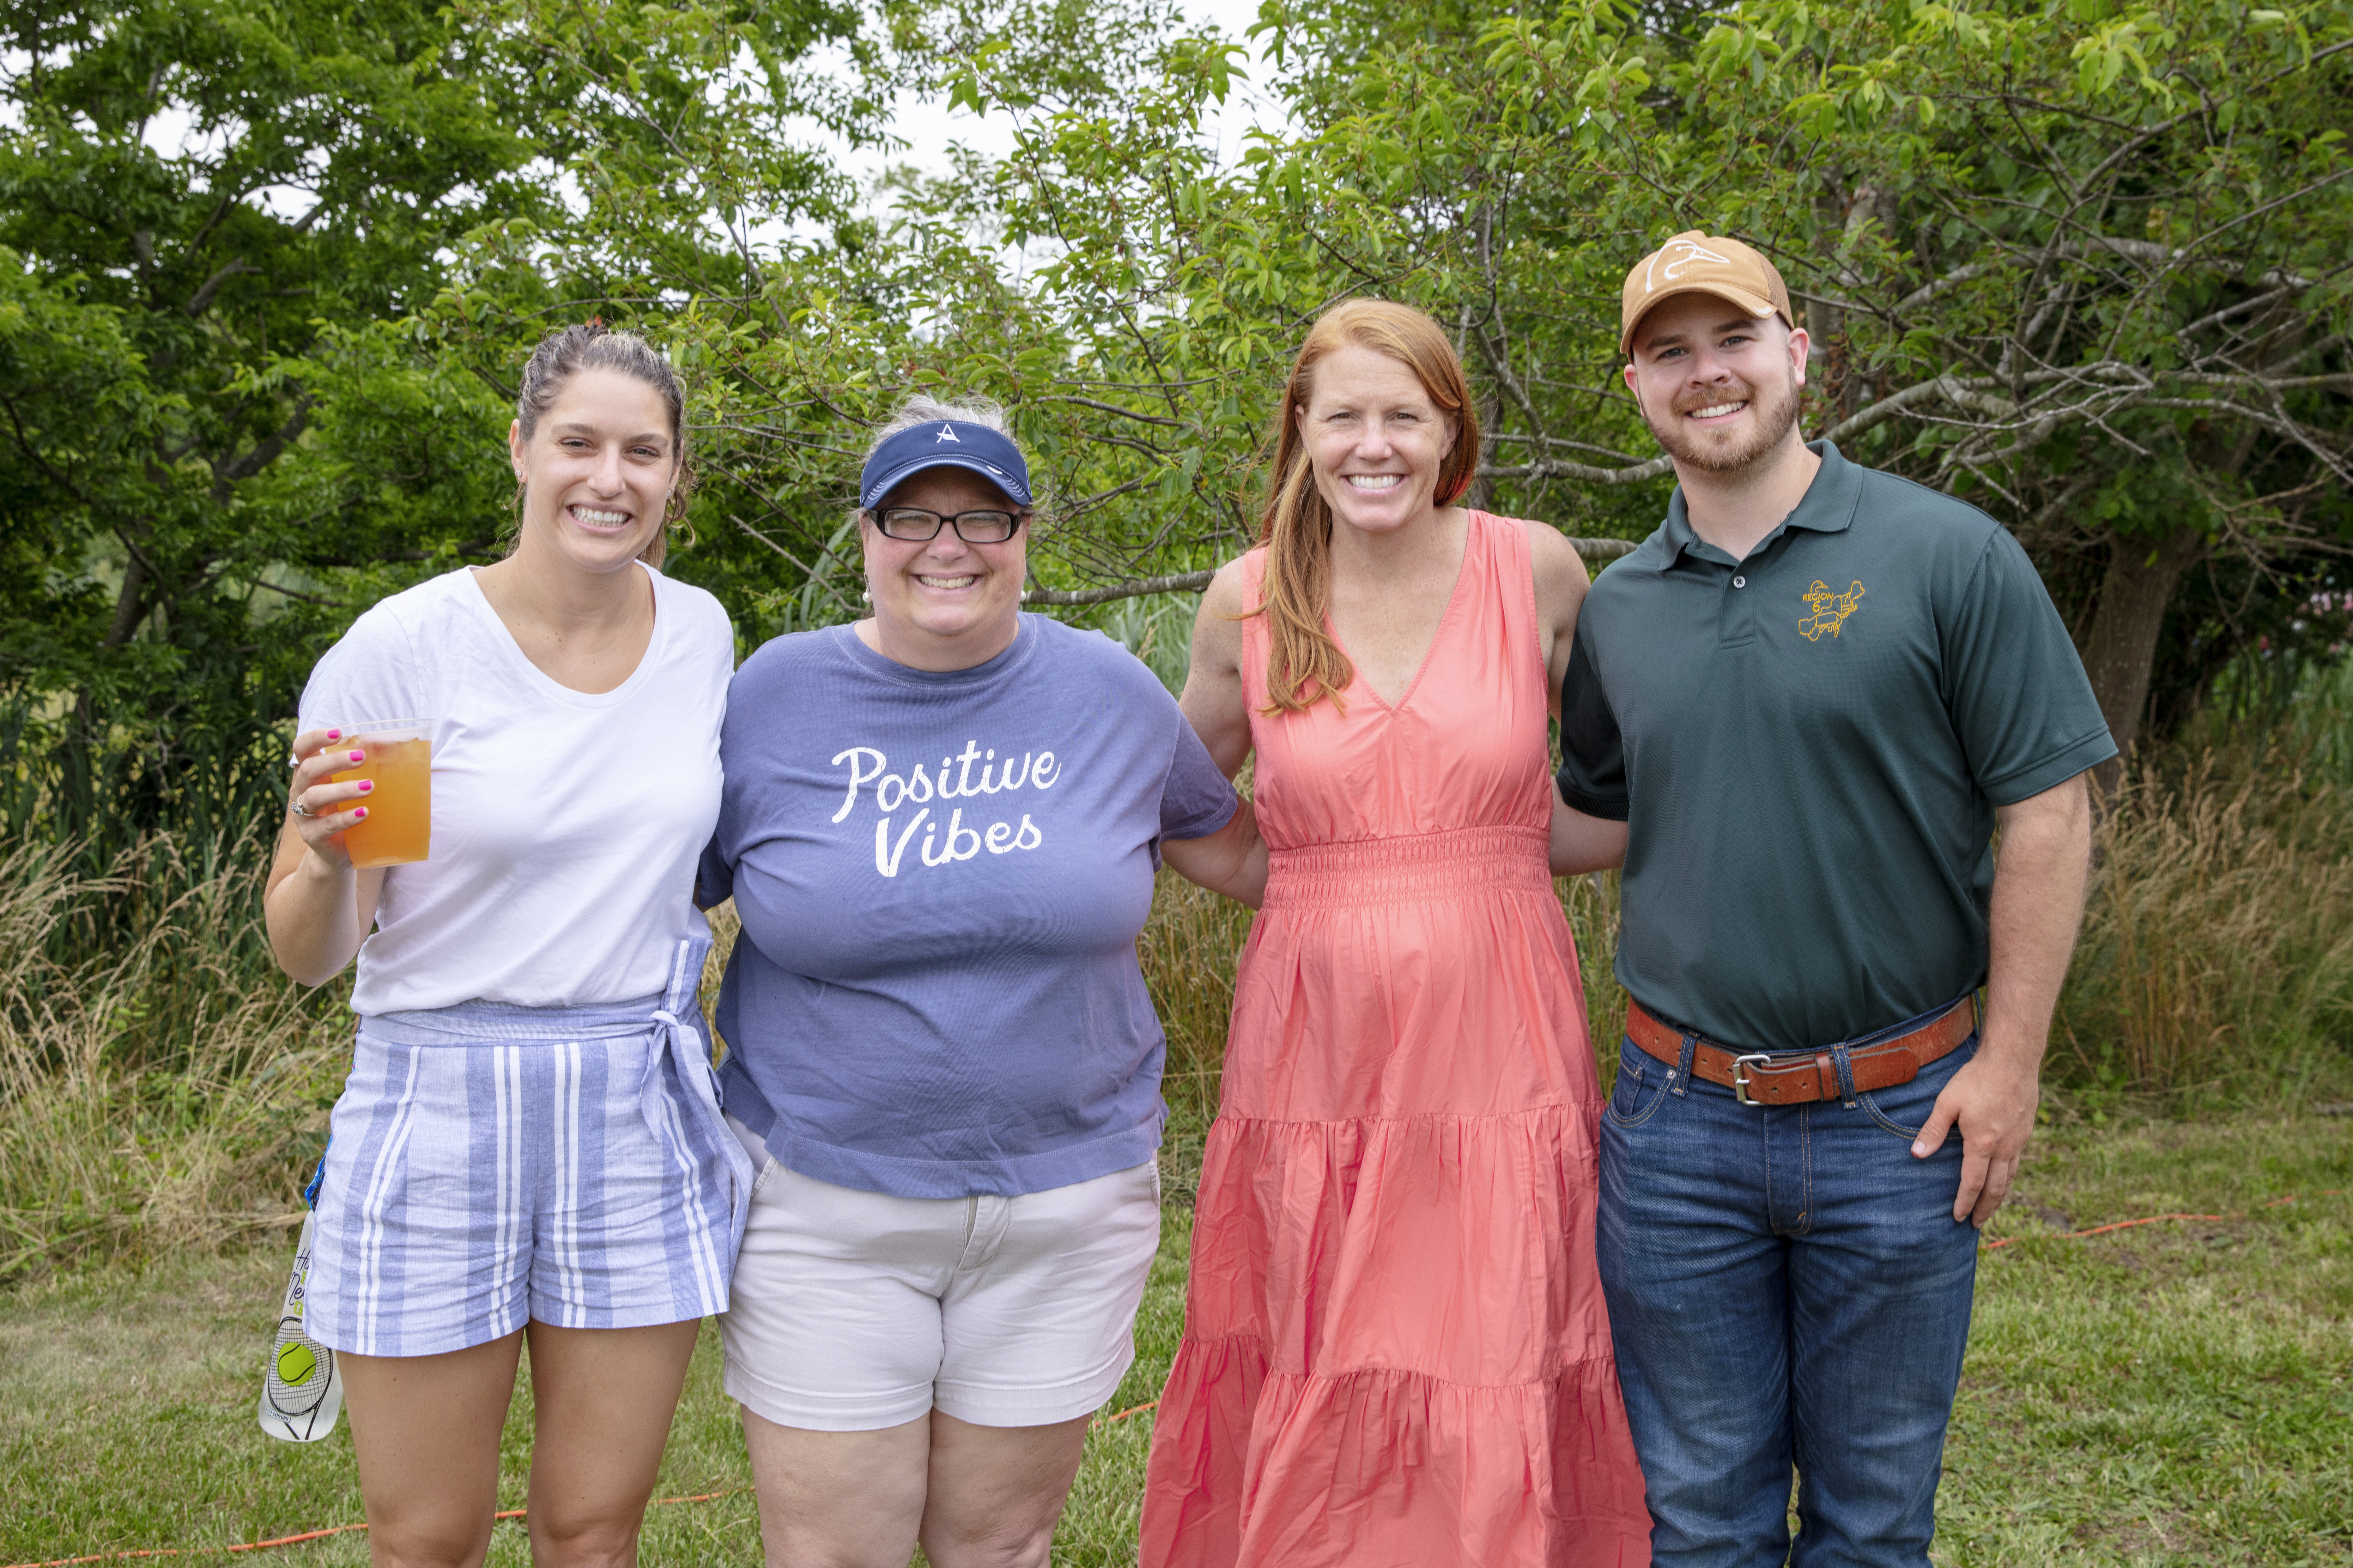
x=1560, y=468
x=1115, y=408
x=1194, y=582
x=25, y=444
x=203, y=297
x=227, y=474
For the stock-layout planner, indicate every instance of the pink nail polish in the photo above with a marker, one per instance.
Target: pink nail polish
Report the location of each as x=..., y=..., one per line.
x=366, y=784
x=334, y=734
x=359, y=756
x=361, y=812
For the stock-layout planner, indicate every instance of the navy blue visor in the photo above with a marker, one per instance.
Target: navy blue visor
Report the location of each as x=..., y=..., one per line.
x=945, y=443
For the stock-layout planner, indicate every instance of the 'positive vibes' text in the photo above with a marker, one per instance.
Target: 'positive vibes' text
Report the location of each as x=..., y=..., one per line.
x=957, y=780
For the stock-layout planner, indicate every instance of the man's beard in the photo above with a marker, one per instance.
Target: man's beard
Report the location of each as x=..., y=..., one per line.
x=1776, y=412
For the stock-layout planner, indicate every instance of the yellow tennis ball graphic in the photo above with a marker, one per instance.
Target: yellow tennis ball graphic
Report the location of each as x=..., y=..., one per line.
x=296, y=1363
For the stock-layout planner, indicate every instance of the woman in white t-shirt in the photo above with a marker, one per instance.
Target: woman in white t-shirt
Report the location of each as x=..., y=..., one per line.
x=528, y=1144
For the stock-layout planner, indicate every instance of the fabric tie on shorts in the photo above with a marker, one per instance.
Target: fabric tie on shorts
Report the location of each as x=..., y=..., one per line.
x=675, y=1013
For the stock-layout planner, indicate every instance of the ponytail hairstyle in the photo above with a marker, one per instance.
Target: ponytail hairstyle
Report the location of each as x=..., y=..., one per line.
x=564, y=354
x=1304, y=665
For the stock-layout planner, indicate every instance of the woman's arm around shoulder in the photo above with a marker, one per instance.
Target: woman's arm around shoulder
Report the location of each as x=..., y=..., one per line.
x=1561, y=585
x=1582, y=843
x=1231, y=861
x=1213, y=699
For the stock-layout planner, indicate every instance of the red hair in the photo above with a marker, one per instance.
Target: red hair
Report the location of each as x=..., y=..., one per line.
x=1304, y=665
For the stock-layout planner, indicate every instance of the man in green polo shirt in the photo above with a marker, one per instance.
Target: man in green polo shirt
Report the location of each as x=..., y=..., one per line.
x=1802, y=707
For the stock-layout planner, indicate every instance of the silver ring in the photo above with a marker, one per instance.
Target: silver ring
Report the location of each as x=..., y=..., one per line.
x=298, y=808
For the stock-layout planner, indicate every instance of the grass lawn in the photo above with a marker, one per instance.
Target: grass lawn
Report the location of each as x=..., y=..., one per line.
x=2172, y=1394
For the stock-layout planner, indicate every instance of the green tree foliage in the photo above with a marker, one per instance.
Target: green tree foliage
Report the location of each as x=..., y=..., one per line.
x=237, y=408
x=2083, y=262
x=198, y=187
x=2086, y=265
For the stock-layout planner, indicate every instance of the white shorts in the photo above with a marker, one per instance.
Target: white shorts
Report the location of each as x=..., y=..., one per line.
x=852, y=1310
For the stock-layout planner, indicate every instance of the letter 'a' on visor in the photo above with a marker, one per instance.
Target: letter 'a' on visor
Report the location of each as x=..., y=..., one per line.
x=944, y=444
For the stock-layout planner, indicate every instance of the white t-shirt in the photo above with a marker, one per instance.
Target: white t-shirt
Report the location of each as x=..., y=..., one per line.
x=566, y=827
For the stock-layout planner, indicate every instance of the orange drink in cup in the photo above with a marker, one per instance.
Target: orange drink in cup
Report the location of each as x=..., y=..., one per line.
x=398, y=828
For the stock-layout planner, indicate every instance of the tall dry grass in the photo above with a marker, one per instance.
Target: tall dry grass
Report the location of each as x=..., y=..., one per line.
x=1591, y=905
x=1189, y=951
x=2216, y=958
x=159, y=1085
x=2217, y=952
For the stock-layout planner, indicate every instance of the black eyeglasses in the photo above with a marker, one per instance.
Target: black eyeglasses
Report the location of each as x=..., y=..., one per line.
x=914, y=524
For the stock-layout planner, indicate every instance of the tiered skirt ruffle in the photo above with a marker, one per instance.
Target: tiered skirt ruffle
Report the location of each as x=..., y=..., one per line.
x=1396, y=1352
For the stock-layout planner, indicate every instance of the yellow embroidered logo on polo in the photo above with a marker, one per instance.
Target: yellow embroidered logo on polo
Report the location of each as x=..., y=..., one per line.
x=1829, y=610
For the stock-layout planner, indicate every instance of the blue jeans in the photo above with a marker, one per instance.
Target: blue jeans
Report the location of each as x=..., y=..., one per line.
x=1787, y=1287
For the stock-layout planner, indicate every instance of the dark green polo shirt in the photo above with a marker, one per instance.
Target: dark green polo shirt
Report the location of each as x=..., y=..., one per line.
x=1807, y=747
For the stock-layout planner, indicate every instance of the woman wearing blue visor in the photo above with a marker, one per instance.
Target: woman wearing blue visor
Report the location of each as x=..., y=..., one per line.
x=939, y=827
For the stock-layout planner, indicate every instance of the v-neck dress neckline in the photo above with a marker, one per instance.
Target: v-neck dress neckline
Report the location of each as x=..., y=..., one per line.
x=1454, y=597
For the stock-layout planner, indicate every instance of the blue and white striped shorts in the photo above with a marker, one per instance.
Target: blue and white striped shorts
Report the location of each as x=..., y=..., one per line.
x=491, y=1164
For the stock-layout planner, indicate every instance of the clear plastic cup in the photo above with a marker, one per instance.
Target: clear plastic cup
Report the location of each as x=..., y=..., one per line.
x=398, y=828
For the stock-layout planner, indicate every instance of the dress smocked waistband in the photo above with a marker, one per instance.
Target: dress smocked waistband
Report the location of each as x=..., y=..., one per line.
x=1463, y=863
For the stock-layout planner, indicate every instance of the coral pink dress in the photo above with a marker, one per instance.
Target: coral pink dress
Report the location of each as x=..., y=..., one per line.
x=1396, y=1350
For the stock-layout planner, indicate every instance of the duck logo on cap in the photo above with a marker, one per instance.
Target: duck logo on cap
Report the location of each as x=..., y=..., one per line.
x=948, y=433
x=1685, y=252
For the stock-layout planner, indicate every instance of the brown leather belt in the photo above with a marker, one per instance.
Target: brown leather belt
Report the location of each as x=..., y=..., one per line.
x=1800, y=1078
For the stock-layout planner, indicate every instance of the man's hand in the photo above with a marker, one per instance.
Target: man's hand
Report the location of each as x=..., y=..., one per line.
x=1992, y=1102
x=2039, y=871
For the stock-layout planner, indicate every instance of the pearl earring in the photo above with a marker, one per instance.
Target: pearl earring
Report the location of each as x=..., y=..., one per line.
x=865, y=597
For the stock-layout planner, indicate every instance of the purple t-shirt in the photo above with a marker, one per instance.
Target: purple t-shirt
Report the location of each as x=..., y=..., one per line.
x=942, y=877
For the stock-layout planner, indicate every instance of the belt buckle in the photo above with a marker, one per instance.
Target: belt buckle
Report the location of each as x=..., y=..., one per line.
x=1740, y=1076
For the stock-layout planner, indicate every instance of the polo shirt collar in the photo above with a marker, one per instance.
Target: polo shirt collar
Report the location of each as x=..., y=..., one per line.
x=1828, y=506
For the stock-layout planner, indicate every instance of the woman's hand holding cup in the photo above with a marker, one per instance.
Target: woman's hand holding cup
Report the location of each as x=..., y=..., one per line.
x=323, y=811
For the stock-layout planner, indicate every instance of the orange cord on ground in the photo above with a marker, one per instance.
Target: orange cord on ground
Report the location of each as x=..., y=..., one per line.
x=2153, y=1219
x=1100, y=1420
x=1131, y=1410
x=2098, y=1229
x=347, y=1529
x=292, y=1539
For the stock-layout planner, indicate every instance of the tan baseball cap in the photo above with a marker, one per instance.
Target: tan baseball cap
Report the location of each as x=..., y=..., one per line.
x=1697, y=263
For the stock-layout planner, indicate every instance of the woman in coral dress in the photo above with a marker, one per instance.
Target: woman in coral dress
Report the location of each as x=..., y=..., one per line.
x=1396, y=1350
